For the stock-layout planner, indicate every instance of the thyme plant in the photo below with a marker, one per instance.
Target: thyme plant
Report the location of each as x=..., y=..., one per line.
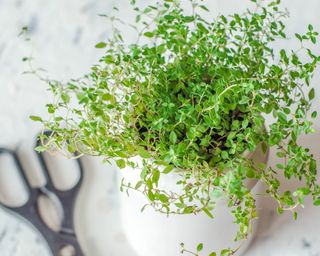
x=192, y=100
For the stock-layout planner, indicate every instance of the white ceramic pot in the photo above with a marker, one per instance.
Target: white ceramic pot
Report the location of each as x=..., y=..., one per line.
x=153, y=233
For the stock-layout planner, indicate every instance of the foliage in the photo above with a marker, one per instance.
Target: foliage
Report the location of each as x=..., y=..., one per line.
x=192, y=100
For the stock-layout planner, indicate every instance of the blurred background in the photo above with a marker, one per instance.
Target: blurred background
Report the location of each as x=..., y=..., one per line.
x=63, y=36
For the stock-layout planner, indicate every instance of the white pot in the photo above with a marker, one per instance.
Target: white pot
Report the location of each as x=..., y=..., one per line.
x=153, y=233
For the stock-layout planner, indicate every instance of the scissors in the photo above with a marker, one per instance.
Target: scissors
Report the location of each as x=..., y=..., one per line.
x=65, y=237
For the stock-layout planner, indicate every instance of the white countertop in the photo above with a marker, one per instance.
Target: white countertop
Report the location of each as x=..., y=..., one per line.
x=64, y=34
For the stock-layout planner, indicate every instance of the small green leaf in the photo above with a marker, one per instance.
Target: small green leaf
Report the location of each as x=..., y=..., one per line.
x=316, y=202
x=168, y=169
x=143, y=208
x=144, y=153
x=121, y=163
x=156, y=176
x=151, y=196
x=108, y=59
x=188, y=19
x=280, y=210
x=188, y=210
x=280, y=166
x=310, y=27
x=203, y=7
x=71, y=148
x=225, y=252
x=224, y=155
x=264, y=147
x=163, y=198
x=138, y=18
x=149, y=34
x=206, y=211
x=314, y=114
x=51, y=108
x=36, y=118
x=213, y=254
x=180, y=205
x=313, y=166
x=65, y=97
x=101, y=45
x=299, y=37
x=40, y=149
x=173, y=137
x=138, y=185
x=311, y=94
x=250, y=173
x=200, y=247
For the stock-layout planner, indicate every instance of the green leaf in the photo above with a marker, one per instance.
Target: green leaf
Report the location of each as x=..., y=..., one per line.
x=40, y=149
x=149, y=34
x=188, y=210
x=314, y=114
x=121, y=163
x=71, y=148
x=280, y=166
x=180, y=205
x=311, y=94
x=200, y=247
x=206, y=211
x=65, y=97
x=173, y=137
x=313, y=166
x=163, y=198
x=51, y=108
x=36, y=118
x=144, y=153
x=224, y=155
x=156, y=176
x=250, y=173
x=138, y=18
x=203, y=7
x=225, y=252
x=138, y=185
x=213, y=254
x=299, y=37
x=143, y=208
x=109, y=59
x=151, y=196
x=168, y=169
x=280, y=210
x=316, y=202
x=101, y=45
x=264, y=147
x=188, y=19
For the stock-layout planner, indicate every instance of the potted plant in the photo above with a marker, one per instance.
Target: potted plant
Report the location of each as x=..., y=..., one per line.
x=183, y=116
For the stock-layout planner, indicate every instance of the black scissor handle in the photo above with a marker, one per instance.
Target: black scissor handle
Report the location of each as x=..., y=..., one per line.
x=30, y=210
x=56, y=241
x=66, y=198
x=13, y=154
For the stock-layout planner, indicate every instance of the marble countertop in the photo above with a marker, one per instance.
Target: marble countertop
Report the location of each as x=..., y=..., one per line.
x=63, y=37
